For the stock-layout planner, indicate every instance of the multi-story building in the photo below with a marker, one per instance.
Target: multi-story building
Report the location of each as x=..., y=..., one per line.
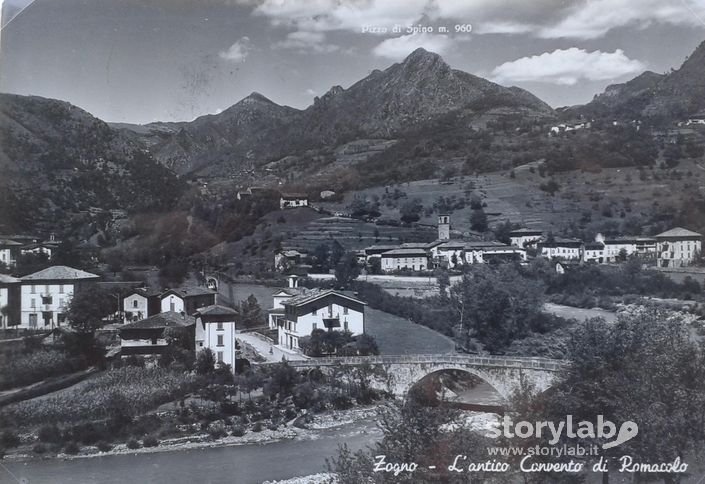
x=413, y=259
x=561, y=249
x=215, y=329
x=327, y=310
x=525, y=237
x=45, y=295
x=678, y=247
x=293, y=200
x=482, y=252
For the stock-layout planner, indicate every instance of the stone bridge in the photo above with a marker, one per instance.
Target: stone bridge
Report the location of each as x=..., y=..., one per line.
x=504, y=374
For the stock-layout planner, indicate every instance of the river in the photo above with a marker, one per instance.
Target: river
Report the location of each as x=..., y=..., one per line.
x=242, y=464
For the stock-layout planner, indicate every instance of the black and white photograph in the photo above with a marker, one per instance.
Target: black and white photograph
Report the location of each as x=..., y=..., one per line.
x=352, y=241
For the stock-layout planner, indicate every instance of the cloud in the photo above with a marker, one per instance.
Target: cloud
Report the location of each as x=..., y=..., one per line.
x=567, y=67
x=306, y=41
x=594, y=19
x=237, y=52
x=503, y=28
x=397, y=48
x=310, y=92
x=350, y=15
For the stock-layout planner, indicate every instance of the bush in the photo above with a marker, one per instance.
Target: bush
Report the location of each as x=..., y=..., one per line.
x=133, y=444
x=216, y=431
x=39, y=448
x=50, y=433
x=258, y=427
x=104, y=446
x=342, y=402
x=9, y=439
x=150, y=441
x=238, y=431
x=36, y=366
x=72, y=448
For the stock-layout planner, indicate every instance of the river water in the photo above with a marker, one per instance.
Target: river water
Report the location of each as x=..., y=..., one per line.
x=243, y=464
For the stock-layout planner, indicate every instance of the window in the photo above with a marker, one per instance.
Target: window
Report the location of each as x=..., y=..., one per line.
x=33, y=303
x=315, y=326
x=46, y=289
x=314, y=312
x=345, y=325
x=220, y=340
x=61, y=288
x=345, y=310
x=220, y=327
x=47, y=300
x=220, y=357
x=32, y=320
x=33, y=289
x=134, y=303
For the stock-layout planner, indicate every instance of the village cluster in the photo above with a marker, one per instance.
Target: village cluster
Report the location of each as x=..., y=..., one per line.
x=40, y=301
x=677, y=247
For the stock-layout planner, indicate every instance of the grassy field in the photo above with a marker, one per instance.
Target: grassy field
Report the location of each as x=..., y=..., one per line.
x=399, y=336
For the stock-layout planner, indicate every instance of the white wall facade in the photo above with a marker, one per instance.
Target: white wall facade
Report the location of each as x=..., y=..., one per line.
x=416, y=263
x=524, y=240
x=677, y=253
x=136, y=306
x=6, y=257
x=40, y=300
x=171, y=302
x=350, y=319
x=219, y=337
x=562, y=252
x=4, y=301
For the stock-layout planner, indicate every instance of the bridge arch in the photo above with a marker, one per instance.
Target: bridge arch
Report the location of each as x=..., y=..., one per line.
x=421, y=372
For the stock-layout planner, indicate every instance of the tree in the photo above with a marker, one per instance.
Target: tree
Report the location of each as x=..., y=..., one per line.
x=375, y=264
x=251, y=312
x=502, y=231
x=478, y=220
x=410, y=211
x=205, y=362
x=644, y=368
x=347, y=270
x=89, y=307
x=497, y=305
x=321, y=256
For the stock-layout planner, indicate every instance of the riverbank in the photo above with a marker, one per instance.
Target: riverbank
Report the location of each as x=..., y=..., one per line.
x=203, y=440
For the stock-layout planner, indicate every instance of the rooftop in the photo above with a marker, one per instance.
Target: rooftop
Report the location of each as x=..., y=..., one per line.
x=8, y=243
x=188, y=291
x=169, y=319
x=679, y=232
x=59, y=273
x=314, y=294
x=216, y=310
x=5, y=279
x=403, y=252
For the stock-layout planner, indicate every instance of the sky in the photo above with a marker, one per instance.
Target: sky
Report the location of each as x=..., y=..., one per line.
x=141, y=61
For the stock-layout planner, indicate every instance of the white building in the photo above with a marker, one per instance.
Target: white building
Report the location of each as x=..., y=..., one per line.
x=9, y=250
x=484, y=252
x=186, y=299
x=594, y=252
x=45, y=295
x=215, y=329
x=397, y=259
x=328, y=310
x=140, y=304
x=276, y=312
x=9, y=301
x=678, y=247
x=562, y=249
x=525, y=237
x=293, y=200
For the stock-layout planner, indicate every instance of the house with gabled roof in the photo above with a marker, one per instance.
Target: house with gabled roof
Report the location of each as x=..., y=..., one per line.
x=678, y=247
x=45, y=295
x=187, y=299
x=215, y=329
x=147, y=337
x=140, y=303
x=328, y=310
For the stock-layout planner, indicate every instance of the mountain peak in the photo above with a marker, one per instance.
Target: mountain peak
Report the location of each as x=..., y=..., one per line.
x=421, y=55
x=257, y=97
